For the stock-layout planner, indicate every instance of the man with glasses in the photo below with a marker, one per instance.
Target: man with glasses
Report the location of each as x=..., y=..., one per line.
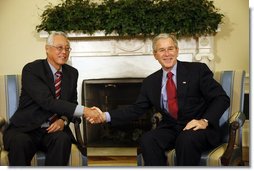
x=48, y=101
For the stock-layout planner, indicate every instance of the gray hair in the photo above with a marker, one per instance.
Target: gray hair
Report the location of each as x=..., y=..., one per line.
x=164, y=36
x=50, y=39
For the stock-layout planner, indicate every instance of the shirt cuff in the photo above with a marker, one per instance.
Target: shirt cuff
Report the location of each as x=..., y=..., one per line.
x=108, y=118
x=78, y=111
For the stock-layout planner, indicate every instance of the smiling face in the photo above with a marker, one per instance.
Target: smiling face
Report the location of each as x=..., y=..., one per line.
x=166, y=52
x=58, y=52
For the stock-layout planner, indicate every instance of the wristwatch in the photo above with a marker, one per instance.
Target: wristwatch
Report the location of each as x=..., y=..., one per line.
x=65, y=119
x=205, y=120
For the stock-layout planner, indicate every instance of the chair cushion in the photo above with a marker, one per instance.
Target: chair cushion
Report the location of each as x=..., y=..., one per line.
x=4, y=158
x=210, y=158
x=76, y=158
x=171, y=157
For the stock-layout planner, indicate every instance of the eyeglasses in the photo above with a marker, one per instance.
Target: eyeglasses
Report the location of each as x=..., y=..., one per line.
x=61, y=48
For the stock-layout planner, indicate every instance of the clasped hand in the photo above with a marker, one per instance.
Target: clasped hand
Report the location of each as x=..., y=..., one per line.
x=94, y=115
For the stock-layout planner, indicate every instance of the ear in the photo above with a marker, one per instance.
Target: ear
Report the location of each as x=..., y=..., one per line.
x=154, y=54
x=177, y=49
x=46, y=48
x=177, y=52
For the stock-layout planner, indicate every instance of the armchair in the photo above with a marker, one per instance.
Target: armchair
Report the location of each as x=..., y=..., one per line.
x=10, y=89
x=231, y=122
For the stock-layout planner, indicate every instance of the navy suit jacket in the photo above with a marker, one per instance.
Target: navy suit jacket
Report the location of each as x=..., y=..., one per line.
x=37, y=100
x=199, y=96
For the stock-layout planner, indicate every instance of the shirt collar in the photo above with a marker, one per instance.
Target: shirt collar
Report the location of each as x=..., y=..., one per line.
x=53, y=70
x=173, y=71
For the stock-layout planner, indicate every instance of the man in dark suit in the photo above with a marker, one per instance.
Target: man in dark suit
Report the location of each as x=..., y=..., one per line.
x=41, y=120
x=190, y=119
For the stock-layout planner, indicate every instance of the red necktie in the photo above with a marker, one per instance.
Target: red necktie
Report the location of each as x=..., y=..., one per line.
x=58, y=84
x=172, y=96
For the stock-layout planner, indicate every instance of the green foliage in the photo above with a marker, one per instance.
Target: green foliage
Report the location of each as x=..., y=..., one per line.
x=133, y=17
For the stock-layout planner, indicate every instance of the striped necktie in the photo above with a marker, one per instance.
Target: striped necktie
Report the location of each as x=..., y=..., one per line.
x=58, y=79
x=58, y=84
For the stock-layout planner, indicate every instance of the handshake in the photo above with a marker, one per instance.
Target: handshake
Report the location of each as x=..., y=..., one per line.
x=94, y=115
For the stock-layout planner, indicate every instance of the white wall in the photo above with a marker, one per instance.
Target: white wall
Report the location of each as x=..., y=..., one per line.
x=20, y=43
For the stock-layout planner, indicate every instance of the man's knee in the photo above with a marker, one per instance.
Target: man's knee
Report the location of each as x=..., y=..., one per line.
x=190, y=138
x=20, y=141
x=62, y=138
x=146, y=139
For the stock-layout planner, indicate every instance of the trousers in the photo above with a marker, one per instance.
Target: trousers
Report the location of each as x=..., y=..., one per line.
x=22, y=146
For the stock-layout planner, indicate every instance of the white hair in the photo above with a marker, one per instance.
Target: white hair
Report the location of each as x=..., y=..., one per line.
x=50, y=39
x=164, y=36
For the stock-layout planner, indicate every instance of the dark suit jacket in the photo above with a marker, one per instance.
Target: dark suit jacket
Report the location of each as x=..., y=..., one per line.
x=199, y=96
x=37, y=100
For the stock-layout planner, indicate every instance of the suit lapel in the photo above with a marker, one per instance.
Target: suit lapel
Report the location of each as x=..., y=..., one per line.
x=49, y=77
x=157, y=88
x=182, y=84
x=65, y=83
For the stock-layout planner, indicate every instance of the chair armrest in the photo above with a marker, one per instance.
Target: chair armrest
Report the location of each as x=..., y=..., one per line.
x=239, y=117
x=2, y=124
x=236, y=121
x=156, y=118
x=80, y=143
